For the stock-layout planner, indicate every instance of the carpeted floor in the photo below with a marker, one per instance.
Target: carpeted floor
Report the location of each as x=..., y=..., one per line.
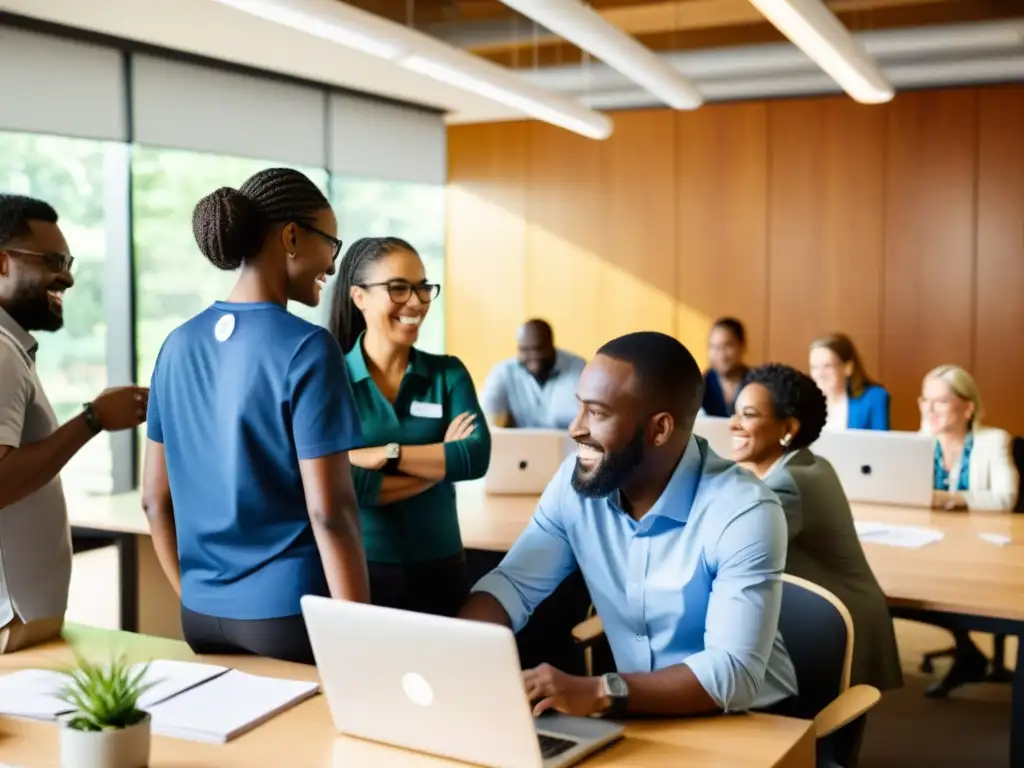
x=970, y=729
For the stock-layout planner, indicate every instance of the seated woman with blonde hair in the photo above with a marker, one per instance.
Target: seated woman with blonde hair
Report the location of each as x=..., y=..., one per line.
x=974, y=466
x=974, y=470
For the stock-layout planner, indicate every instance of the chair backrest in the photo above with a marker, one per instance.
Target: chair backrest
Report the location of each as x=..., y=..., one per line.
x=1018, y=459
x=818, y=633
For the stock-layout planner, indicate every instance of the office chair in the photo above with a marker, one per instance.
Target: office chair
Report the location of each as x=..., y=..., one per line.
x=818, y=633
x=997, y=673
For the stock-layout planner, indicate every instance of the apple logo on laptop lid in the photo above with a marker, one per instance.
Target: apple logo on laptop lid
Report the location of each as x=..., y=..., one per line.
x=417, y=689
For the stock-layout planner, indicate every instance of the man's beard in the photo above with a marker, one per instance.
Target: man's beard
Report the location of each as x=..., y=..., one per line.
x=613, y=470
x=31, y=310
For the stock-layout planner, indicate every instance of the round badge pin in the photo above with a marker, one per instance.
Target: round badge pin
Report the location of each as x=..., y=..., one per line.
x=224, y=328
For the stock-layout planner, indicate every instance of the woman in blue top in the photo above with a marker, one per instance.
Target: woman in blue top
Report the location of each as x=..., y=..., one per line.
x=247, y=483
x=726, y=344
x=854, y=401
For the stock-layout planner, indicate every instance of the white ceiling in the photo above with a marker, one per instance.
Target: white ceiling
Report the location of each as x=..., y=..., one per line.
x=208, y=28
x=954, y=55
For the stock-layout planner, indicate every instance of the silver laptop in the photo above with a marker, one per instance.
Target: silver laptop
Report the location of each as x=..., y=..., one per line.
x=881, y=467
x=441, y=686
x=715, y=429
x=523, y=461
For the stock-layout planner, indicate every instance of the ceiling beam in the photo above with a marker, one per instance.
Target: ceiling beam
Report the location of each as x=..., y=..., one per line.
x=690, y=15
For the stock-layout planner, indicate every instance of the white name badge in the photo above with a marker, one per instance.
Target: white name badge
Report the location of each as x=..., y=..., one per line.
x=426, y=410
x=224, y=328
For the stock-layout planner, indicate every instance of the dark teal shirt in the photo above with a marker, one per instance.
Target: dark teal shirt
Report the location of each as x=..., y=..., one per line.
x=434, y=390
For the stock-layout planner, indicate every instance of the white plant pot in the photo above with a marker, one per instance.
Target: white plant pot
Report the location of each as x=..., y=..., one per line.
x=123, y=748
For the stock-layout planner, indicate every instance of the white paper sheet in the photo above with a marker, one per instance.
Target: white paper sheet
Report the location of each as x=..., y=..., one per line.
x=995, y=538
x=904, y=536
x=30, y=693
x=227, y=706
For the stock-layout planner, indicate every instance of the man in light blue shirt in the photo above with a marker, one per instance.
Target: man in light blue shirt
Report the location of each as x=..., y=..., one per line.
x=535, y=389
x=682, y=551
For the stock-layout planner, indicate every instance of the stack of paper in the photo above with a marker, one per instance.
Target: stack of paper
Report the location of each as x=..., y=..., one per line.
x=227, y=706
x=201, y=702
x=905, y=536
x=30, y=693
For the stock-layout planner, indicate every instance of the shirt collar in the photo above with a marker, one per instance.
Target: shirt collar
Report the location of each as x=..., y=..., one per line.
x=358, y=371
x=676, y=500
x=20, y=335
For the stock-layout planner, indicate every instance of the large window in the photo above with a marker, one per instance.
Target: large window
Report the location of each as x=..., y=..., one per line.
x=414, y=212
x=70, y=175
x=174, y=281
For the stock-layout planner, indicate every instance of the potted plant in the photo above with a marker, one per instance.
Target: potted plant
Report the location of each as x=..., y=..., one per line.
x=105, y=728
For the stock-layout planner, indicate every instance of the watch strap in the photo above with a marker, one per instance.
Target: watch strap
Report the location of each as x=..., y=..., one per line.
x=91, y=419
x=391, y=465
x=617, y=692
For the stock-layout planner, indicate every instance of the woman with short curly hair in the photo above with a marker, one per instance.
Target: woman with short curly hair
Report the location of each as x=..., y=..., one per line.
x=779, y=413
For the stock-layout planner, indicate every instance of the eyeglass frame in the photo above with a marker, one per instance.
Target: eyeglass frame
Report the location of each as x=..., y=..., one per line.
x=336, y=242
x=398, y=283
x=57, y=262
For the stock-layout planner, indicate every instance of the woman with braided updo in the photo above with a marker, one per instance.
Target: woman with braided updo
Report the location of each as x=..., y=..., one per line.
x=420, y=415
x=247, y=484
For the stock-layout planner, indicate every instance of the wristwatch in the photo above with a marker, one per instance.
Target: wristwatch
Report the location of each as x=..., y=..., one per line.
x=91, y=419
x=617, y=691
x=393, y=452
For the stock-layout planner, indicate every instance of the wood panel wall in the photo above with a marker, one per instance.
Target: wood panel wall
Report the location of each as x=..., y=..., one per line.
x=901, y=224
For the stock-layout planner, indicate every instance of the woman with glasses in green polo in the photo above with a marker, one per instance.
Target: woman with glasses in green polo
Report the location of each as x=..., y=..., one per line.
x=422, y=422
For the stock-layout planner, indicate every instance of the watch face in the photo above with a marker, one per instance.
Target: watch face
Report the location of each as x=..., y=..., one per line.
x=617, y=687
x=392, y=451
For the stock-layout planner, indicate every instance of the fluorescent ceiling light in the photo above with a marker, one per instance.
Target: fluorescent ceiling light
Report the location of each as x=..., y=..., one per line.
x=816, y=31
x=354, y=28
x=584, y=27
x=599, y=127
x=316, y=17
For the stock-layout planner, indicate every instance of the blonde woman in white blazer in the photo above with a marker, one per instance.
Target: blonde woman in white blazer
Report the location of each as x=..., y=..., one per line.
x=973, y=470
x=974, y=466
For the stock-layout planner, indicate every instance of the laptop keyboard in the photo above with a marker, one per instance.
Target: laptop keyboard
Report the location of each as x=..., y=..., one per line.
x=551, y=745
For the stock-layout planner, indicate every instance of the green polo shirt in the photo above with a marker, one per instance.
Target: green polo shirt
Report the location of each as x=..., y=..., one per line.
x=434, y=390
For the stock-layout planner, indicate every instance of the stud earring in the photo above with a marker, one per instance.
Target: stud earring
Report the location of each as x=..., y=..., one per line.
x=784, y=442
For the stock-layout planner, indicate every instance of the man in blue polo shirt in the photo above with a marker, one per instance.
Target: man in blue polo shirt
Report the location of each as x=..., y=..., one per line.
x=535, y=389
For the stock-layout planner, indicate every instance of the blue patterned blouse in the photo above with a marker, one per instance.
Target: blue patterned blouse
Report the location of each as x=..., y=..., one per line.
x=942, y=474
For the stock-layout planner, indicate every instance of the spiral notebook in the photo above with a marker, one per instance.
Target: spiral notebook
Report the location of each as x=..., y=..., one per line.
x=197, y=702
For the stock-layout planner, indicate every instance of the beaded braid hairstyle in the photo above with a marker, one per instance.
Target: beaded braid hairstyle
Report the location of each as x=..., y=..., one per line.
x=230, y=225
x=347, y=321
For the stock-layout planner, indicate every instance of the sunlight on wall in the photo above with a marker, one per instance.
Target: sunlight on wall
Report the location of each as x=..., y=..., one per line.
x=484, y=280
x=502, y=270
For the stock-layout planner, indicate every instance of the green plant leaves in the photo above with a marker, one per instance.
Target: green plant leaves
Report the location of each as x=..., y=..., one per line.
x=104, y=697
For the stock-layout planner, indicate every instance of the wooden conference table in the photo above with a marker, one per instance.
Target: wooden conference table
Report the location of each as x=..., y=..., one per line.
x=304, y=735
x=961, y=581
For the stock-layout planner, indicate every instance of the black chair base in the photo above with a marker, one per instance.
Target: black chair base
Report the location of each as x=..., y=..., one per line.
x=969, y=665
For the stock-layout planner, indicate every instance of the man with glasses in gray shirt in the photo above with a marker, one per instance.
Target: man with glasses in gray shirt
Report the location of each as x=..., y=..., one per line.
x=35, y=540
x=537, y=388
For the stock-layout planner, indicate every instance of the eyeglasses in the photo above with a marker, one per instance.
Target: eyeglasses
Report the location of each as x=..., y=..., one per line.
x=939, y=403
x=332, y=240
x=401, y=291
x=57, y=262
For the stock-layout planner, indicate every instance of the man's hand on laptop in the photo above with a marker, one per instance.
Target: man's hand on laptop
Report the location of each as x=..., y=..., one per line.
x=549, y=688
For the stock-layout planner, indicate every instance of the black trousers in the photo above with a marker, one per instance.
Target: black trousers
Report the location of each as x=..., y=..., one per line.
x=283, y=638
x=439, y=587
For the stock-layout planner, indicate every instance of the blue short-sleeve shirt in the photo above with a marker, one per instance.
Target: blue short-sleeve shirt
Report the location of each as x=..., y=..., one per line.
x=240, y=394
